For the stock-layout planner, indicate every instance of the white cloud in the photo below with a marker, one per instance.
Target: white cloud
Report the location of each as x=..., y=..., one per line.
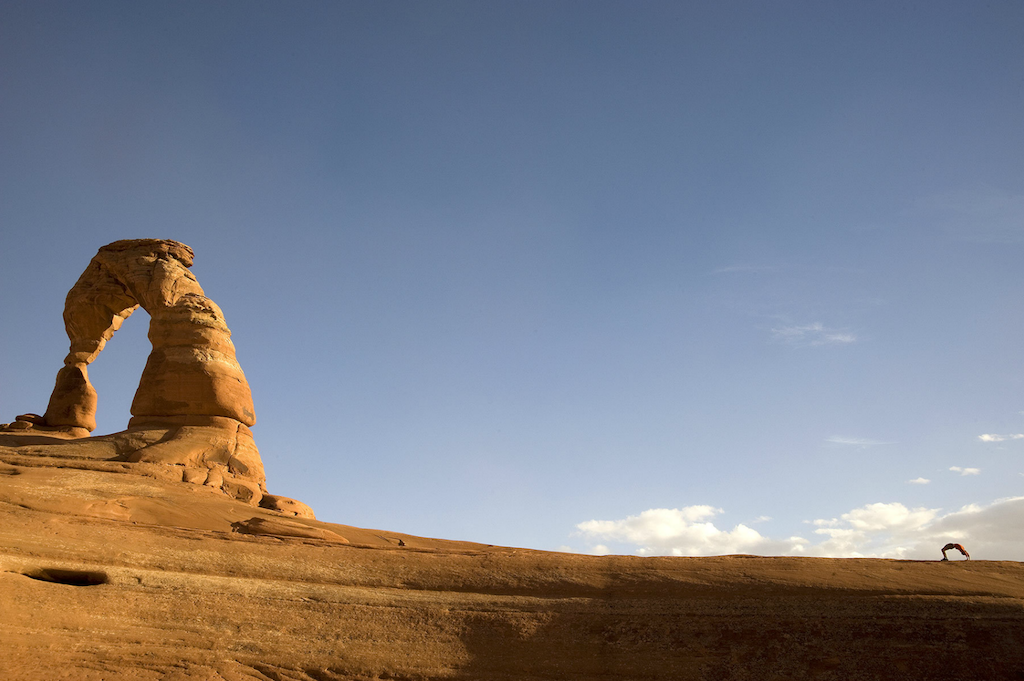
x=892, y=530
x=858, y=441
x=991, y=437
x=919, y=481
x=887, y=516
x=681, y=532
x=811, y=335
x=965, y=471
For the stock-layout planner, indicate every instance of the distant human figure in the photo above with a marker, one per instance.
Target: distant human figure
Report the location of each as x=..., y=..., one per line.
x=958, y=547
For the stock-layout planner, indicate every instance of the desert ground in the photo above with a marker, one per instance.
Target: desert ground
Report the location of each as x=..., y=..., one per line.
x=115, y=570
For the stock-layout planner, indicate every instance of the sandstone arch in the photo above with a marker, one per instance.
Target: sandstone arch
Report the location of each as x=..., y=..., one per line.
x=192, y=369
x=193, y=406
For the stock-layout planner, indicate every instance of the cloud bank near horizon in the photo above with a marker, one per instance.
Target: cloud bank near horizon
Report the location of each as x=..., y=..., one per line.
x=878, y=530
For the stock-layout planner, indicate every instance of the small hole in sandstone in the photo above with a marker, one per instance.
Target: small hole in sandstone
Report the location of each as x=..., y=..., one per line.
x=69, y=577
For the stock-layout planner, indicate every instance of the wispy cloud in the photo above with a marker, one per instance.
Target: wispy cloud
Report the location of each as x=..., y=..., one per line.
x=991, y=437
x=856, y=441
x=740, y=268
x=965, y=471
x=919, y=481
x=890, y=530
x=811, y=335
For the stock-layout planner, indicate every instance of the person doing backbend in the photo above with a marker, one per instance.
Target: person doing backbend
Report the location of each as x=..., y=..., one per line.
x=958, y=547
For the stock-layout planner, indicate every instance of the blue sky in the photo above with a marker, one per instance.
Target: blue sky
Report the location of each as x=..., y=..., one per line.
x=656, y=277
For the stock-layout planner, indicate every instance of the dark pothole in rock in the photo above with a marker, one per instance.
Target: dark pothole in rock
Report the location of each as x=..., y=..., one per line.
x=69, y=577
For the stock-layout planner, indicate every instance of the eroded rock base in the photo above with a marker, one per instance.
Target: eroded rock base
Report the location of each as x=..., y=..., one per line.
x=215, y=452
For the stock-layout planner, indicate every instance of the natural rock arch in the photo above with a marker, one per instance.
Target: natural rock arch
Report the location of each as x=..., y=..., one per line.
x=192, y=369
x=193, y=406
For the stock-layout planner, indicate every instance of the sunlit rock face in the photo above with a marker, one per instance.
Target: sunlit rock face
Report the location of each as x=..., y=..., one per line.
x=192, y=370
x=111, y=577
x=193, y=407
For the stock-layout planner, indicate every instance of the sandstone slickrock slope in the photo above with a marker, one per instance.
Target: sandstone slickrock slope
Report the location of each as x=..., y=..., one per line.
x=116, y=564
x=108, y=575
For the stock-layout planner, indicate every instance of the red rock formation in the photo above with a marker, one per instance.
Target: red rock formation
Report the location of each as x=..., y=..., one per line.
x=192, y=370
x=193, y=407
